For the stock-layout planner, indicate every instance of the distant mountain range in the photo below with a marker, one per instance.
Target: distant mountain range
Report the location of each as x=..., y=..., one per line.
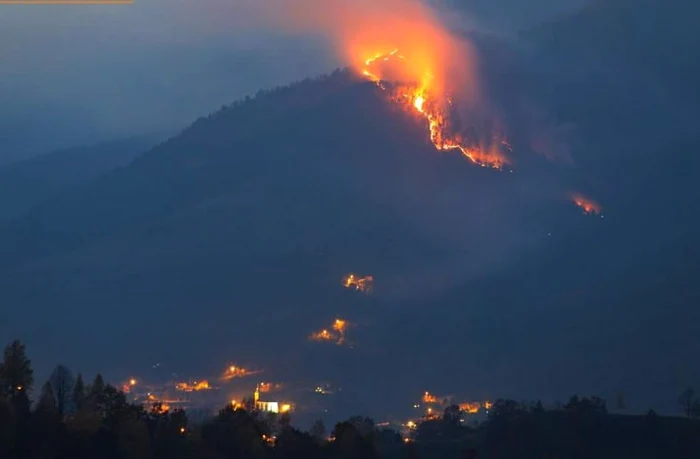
x=228, y=242
x=25, y=184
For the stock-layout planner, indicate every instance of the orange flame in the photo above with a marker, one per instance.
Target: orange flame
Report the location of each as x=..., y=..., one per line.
x=323, y=335
x=372, y=34
x=588, y=206
x=361, y=284
x=475, y=407
x=470, y=407
x=234, y=371
x=337, y=335
x=194, y=387
x=429, y=398
x=422, y=99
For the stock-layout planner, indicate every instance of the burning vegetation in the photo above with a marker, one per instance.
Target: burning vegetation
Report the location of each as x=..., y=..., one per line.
x=234, y=371
x=361, y=284
x=196, y=386
x=265, y=387
x=438, y=112
x=588, y=206
x=337, y=334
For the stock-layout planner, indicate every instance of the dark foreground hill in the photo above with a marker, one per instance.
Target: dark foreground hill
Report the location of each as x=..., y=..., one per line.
x=228, y=242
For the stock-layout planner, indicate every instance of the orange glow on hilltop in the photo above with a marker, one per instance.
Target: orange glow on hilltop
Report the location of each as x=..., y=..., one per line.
x=362, y=284
x=588, y=206
x=405, y=42
x=426, y=101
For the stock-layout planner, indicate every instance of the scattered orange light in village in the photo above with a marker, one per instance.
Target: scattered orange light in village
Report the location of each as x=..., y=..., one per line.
x=362, y=284
x=588, y=206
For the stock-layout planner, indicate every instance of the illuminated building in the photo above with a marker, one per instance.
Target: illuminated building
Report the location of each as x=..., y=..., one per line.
x=269, y=407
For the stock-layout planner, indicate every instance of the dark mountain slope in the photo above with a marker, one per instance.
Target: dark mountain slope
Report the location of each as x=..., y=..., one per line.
x=613, y=302
x=27, y=183
x=251, y=216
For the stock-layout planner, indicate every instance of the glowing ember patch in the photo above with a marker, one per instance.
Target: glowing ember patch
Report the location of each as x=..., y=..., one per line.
x=429, y=398
x=432, y=110
x=470, y=407
x=323, y=335
x=337, y=335
x=361, y=284
x=194, y=387
x=234, y=371
x=588, y=206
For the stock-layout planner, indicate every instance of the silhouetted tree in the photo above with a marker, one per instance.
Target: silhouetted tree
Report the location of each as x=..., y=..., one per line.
x=686, y=401
x=506, y=409
x=318, y=431
x=79, y=395
x=411, y=452
x=695, y=409
x=62, y=382
x=8, y=429
x=293, y=444
x=46, y=424
x=586, y=405
x=47, y=400
x=452, y=414
x=388, y=443
x=234, y=433
x=350, y=443
x=96, y=396
x=537, y=408
x=16, y=373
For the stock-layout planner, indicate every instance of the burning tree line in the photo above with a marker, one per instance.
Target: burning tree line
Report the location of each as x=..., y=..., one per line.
x=71, y=419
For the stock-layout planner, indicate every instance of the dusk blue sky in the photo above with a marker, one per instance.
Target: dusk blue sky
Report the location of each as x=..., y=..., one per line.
x=81, y=74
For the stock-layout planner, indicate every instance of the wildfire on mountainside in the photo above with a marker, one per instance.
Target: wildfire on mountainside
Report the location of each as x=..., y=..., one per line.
x=475, y=407
x=429, y=398
x=265, y=387
x=338, y=334
x=234, y=371
x=422, y=100
x=361, y=284
x=196, y=386
x=588, y=206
